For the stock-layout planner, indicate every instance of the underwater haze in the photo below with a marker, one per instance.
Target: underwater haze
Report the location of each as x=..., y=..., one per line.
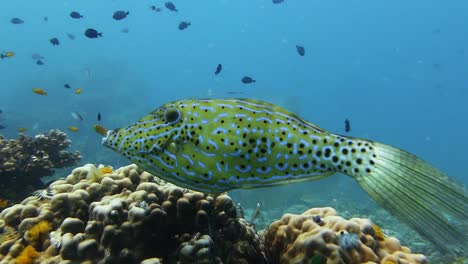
x=397, y=70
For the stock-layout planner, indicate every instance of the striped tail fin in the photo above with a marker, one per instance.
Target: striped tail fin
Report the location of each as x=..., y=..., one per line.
x=419, y=195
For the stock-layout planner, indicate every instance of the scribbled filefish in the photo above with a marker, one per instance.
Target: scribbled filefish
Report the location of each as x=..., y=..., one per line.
x=216, y=145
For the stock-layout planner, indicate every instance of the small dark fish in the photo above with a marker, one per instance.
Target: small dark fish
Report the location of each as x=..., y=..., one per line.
x=125, y=30
x=183, y=25
x=76, y=116
x=39, y=62
x=347, y=125
x=247, y=79
x=2, y=126
x=92, y=33
x=277, y=1
x=234, y=92
x=67, y=86
x=46, y=19
x=37, y=56
x=1, y=111
x=99, y=116
x=70, y=36
x=300, y=50
x=171, y=6
x=155, y=9
x=54, y=41
x=75, y=15
x=119, y=15
x=218, y=69
x=17, y=21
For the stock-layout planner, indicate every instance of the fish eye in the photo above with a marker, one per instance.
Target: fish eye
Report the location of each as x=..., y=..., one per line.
x=172, y=115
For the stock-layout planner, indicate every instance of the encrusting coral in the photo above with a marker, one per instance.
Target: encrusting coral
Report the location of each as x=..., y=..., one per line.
x=23, y=161
x=319, y=234
x=130, y=216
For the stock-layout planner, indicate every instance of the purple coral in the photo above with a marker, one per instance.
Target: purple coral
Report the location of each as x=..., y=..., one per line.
x=23, y=161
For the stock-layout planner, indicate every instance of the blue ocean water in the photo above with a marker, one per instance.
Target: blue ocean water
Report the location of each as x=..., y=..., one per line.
x=397, y=69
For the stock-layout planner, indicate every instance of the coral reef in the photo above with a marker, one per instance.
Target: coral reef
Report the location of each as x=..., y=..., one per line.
x=23, y=161
x=320, y=235
x=128, y=216
x=131, y=216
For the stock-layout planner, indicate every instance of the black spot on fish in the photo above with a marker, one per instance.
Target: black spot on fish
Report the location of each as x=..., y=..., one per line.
x=218, y=69
x=247, y=80
x=17, y=21
x=171, y=6
x=92, y=33
x=54, y=41
x=347, y=125
x=119, y=15
x=183, y=25
x=300, y=50
x=75, y=15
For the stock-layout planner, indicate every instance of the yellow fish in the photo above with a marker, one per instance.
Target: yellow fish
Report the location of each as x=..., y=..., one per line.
x=100, y=129
x=78, y=91
x=7, y=54
x=39, y=91
x=73, y=128
x=215, y=145
x=22, y=129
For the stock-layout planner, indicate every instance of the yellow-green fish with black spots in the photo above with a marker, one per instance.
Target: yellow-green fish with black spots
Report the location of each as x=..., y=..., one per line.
x=216, y=145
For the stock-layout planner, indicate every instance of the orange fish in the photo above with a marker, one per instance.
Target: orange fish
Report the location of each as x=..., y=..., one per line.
x=22, y=129
x=78, y=90
x=3, y=203
x=39, y=91
x=73, y=128
x=100, y=129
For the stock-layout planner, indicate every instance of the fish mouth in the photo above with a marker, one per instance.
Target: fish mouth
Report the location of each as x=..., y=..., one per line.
x=105, y=139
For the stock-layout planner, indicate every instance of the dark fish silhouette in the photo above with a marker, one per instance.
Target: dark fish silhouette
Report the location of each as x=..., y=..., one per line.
x=17, y=21
x=300, y=50
x=277, y=1
x=2, y=126
x=67, y=86
x=218, y=69
x=171, y=6
x=119, y=15
x=347, y=127
x=46, y=19
x=75, y=15
x=99, y=116
x=183, y=25
x=155, y=8
x=1, y=111
x=247, y=79
x=125, y=30
x=92, y=33
x=39, y=62
x=54, y=41
x=70, y=36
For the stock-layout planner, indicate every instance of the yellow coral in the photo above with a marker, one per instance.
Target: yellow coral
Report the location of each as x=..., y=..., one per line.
x=39, y=229
x=379, y=234
x=104, y=169
x=27, y=256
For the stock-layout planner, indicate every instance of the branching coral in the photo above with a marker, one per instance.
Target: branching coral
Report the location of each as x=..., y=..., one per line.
x=23, y=161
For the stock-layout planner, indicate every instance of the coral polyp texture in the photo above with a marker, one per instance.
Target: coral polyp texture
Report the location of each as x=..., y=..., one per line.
x=24, y=160
x=131, y=216
x=320, y=236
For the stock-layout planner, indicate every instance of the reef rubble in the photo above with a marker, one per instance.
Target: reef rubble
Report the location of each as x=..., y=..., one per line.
x=25, y=160
x=98, y=215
